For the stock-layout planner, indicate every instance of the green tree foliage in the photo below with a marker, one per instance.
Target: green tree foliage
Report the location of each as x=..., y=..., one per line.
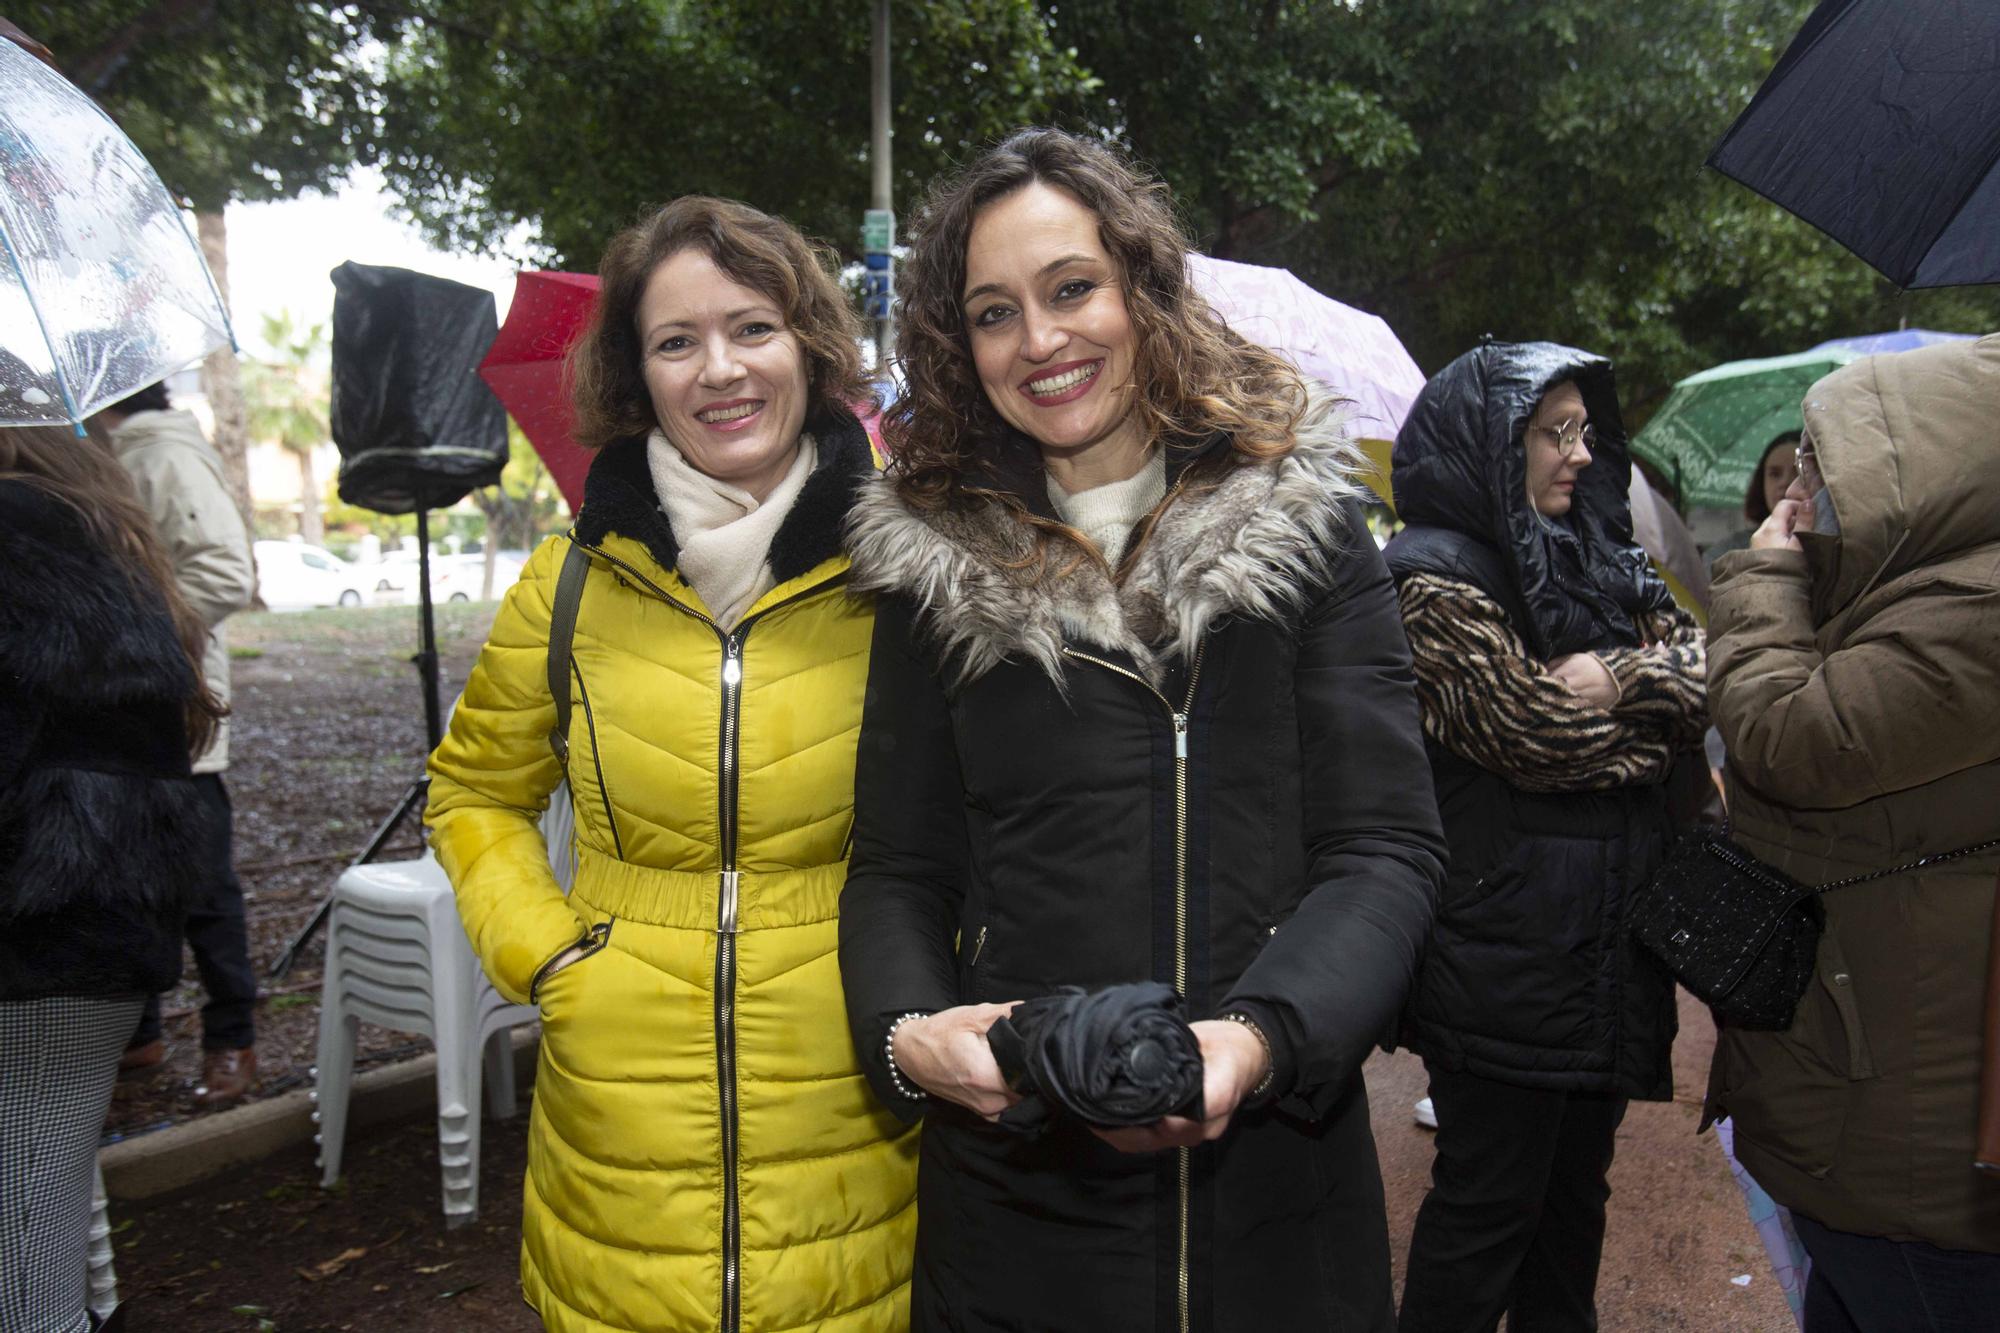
x=229, y=99
x=523, y=508
x=288, y=404
x=574, y=117
x=1254, y=111
x=1463, y=167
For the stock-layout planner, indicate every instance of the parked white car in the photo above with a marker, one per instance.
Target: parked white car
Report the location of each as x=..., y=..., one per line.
x=454, y=578
x=292, y=576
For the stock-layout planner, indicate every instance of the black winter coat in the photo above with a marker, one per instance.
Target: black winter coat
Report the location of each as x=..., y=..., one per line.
x=1210, y=776
x=1531, y=977
x=100, y=824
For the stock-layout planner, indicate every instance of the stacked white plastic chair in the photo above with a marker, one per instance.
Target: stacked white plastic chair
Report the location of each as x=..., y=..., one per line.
x=103, y=1297
x=397, y=956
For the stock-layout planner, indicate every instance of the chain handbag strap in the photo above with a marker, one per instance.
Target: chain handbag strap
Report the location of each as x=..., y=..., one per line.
x=1920, y=863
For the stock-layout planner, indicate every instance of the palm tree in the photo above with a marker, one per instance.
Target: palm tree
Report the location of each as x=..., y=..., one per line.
x=288, y=405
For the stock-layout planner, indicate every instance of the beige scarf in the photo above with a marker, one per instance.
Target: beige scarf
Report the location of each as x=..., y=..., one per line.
x=724, y=531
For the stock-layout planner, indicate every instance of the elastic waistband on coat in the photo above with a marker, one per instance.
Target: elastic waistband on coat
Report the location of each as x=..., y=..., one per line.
x=691, y=899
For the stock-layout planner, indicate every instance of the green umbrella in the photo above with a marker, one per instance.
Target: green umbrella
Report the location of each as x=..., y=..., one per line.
x=1709, y=435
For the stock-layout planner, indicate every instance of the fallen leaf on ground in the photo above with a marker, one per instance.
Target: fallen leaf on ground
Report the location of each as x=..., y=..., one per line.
x=438, y=1268
x=327, y=1268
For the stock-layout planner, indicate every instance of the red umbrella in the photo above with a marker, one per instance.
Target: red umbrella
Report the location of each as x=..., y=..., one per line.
x=524, y=369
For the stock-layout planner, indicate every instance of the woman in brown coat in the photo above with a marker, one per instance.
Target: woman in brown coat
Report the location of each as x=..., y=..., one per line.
x=1854, y=670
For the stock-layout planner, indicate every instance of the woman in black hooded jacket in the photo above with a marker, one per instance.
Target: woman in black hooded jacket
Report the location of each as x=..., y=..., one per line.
x=101, y=833
x=1560, y=688
x=1139, y=708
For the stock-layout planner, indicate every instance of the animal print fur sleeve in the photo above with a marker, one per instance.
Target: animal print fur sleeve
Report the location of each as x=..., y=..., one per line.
x=1666, y=682
x=1485, y=699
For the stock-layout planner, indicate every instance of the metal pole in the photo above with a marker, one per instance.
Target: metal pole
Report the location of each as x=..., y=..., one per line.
x=881, y=192
x=427, y=655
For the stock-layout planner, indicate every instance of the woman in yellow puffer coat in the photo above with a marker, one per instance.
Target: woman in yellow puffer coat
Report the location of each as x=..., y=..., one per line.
x=704, y=1152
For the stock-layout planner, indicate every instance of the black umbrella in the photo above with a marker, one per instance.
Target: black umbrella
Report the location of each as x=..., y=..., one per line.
x=1881, y=127
x=1120, y=1056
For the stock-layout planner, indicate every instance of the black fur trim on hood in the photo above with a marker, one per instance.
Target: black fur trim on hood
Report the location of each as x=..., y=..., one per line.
x=1459, y=464
x=618, y=497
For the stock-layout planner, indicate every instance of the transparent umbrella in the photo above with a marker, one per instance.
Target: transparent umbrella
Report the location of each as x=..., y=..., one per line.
x=102, y=288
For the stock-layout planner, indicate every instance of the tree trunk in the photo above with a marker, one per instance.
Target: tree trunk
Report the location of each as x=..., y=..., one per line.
x=222, y=379
x=310, y=526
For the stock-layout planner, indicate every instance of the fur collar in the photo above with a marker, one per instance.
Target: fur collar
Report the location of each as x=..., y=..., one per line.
x=618, y=496
x=1253, y=544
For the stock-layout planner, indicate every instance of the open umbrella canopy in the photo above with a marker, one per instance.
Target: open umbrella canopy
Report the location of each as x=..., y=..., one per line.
x=1880, y=125
x=524, y=368
x=1354, y=353
x=1899, y=340
x=102, y=289
x=1712, y=430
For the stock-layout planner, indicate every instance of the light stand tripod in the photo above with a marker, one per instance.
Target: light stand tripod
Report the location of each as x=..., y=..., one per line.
x=426, y=661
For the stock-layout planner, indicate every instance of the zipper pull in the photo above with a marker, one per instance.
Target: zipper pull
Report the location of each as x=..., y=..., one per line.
x=726, y=918
x=1180, y=735
x=732, y=662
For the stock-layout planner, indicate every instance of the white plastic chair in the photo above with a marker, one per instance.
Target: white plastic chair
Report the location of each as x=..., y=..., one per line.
x=397, y=956
x=103, y=1297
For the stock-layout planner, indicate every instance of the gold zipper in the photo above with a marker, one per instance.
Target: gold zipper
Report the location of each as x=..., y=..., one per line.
x=1180, y=719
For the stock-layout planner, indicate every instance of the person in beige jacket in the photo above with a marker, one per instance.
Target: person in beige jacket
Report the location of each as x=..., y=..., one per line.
x=180, y=483
x=1854, y=670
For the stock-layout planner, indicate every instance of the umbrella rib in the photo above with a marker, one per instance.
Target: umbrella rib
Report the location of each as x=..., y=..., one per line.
x=55, y=358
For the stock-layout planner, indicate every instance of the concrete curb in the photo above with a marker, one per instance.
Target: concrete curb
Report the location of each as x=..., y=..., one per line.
x=172, y=1159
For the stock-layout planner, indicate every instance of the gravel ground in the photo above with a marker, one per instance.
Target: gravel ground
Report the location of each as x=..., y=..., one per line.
x=327, y=735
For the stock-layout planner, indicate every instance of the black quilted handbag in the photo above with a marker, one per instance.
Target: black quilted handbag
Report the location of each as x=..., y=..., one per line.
x=1742, y=936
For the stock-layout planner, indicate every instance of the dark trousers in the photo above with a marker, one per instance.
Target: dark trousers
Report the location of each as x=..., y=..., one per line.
x=1865, y=1284
x=1514, y=1222
x=221, y=941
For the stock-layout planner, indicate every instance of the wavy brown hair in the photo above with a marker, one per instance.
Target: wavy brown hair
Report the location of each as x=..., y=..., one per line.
x=82, y=474
x=1195, y=376
x=762, y=252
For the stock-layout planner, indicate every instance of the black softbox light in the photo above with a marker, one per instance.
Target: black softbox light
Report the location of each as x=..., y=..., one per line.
x=416, y=426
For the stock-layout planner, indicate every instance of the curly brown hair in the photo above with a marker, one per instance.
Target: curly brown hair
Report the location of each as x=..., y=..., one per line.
x=82, y=474
x=1195, y=376
x=762, y=252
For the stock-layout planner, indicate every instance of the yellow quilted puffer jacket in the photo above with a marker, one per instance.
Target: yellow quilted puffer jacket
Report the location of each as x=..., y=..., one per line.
x=704, y=1152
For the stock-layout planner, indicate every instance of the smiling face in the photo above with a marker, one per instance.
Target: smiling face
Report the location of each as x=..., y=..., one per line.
x=1559, y=419
x=727, y=378
x=1051, y=339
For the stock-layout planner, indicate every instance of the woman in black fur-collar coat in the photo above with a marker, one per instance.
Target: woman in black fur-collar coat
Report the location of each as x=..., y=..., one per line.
x=1140, y=708
x=100, y=828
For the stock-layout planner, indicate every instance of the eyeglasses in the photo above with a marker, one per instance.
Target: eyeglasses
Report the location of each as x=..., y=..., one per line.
x=1809, y=472
x=1571, y=434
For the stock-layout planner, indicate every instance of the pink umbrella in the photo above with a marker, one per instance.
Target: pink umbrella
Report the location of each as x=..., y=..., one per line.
x=1352, y=352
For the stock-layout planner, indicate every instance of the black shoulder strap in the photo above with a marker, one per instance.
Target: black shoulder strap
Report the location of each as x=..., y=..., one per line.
x=562, y=634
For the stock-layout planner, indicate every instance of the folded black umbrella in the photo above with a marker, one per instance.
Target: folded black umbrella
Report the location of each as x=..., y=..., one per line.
x=1122, y=1056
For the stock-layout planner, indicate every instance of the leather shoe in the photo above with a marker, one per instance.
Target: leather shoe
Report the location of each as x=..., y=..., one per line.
x=226, y=1076
x=141, y=1060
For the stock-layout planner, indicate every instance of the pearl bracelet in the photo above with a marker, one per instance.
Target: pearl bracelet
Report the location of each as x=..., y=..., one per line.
x=896, y=1079
x=1270, y=1064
